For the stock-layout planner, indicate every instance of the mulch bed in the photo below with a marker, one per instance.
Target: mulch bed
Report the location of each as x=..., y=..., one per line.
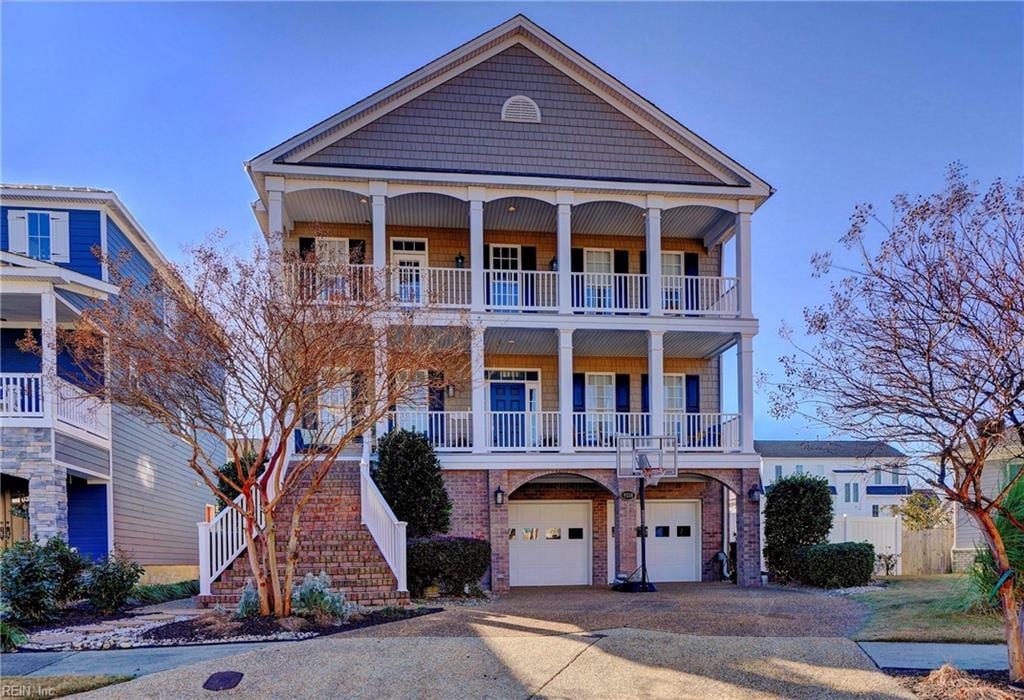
x=224, y=627
x=948, y=682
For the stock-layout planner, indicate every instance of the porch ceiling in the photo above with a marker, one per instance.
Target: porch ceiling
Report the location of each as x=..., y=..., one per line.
x=437, y=211
x=602, y=343
x=25, y=308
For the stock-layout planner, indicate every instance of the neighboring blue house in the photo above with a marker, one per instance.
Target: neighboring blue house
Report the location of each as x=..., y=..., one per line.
x=81, y=468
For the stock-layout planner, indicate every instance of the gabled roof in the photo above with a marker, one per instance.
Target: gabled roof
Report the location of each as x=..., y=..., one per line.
x=849, y=449
x=518, y=30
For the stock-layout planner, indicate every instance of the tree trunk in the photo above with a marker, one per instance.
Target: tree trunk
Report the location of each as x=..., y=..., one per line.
x=1013, y=615
x=255, y=565
x=270, y=529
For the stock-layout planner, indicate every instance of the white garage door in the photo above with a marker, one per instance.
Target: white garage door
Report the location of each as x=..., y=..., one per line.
x=673, y=541
x=549, y=543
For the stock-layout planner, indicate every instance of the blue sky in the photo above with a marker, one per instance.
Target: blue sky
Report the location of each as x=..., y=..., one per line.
x=833, y=104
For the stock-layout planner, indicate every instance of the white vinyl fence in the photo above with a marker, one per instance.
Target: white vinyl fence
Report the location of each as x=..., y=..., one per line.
x=885, y=533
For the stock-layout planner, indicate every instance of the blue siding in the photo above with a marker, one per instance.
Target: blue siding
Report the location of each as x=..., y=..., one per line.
x=87, y=518
x=888, y=490
x=84, y=235
x=125, y=257
x=12, y=359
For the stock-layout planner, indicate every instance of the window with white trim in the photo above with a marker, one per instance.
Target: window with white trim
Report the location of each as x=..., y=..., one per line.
x=601, y=392
x=851, y=492
x=43, y=235
x=875, y=511
x=675, y=393
x=799, y=469
x=778, y=472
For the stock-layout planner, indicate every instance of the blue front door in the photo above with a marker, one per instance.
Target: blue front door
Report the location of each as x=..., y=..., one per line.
x=508, y=420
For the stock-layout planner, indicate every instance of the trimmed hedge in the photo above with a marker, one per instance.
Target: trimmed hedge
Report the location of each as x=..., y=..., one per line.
x=452, y=563
x=839, y=565
x=797, y=514
x=408, y=474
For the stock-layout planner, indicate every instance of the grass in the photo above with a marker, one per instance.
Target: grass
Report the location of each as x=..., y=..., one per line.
x=922, y=609
x=162, y=592
x=54, y=686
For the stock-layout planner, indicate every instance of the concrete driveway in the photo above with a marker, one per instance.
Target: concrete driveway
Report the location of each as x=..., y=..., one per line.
x=561, y=643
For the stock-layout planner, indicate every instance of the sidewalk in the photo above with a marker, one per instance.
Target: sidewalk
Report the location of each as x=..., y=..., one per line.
x=927, y=656
x=126, y=662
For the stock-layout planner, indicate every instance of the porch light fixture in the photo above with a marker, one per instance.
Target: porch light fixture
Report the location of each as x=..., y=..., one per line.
x=363, y=200
x=553, y=264
x=451, y=390
x=460, y=260
x=499, y=496
x=511, y=207
x=754, y=494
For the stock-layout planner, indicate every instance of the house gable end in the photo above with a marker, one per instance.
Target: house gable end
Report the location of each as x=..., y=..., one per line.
x=457, y=126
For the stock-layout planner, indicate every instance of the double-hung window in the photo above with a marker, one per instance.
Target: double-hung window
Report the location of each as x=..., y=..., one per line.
x=851, y=492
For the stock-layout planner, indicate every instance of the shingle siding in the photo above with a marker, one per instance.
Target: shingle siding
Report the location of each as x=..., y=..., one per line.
x=457, y=127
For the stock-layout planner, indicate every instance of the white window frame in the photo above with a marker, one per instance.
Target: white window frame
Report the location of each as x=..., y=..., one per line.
x=317, y=251
x=530, y=384
x=799, y=469
x=511, y=246
x=678, y=255
x=59, y=234
x=587, y=392
x=778, y=472
x=682, y=392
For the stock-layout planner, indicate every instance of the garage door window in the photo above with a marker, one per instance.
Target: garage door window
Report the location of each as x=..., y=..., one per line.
x=553, y=533
x=682, y=531
x=575, y=533
x=530, y=533
x=661, y=530
x=511, y=533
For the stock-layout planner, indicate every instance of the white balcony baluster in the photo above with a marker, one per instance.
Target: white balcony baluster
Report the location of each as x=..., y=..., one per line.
x=606, y=292
x=700, y=296
x=522, y=431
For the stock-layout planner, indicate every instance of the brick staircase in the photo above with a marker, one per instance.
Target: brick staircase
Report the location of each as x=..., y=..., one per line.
x=334, y=540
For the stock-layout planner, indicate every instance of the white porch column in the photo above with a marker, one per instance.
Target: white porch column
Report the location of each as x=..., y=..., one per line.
x=479, y=391
x=653, y=226
x=565, y=437
x=380, y=377
x=564, y=251
x=745, y=389
x=275, y=208
x=378, y=218
x=656, y=380
x=48, y=339
x=476, y=249
x=743, y=272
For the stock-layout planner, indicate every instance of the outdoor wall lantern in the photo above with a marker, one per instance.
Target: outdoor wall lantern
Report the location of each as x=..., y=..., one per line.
x=460, y=261
x=499, y=496
x=754, y=494
x=554, y=264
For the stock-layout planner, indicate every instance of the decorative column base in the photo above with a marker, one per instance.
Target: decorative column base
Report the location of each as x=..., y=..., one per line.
x=499, y=531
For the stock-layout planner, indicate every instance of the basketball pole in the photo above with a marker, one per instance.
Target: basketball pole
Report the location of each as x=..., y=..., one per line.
x=644, y=583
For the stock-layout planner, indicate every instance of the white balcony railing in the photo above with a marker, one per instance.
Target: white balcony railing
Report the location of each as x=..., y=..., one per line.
x=522, y=431
x=704, y=432
x=75, y=407
x=605, y=292
x=447, y=431
x=441, y=287
x=521, y=290
x=597, y=430
x=21, y=395
x=328, y=283
x=700, y=296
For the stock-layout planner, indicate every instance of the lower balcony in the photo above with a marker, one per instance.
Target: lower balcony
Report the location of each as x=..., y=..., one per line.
x=592, y=431
x=23, y=402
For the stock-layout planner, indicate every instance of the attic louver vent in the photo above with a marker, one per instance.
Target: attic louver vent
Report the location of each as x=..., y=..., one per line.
x=520, y=108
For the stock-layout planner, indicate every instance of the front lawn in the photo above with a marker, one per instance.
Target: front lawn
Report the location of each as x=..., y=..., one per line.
x=54, y=686
x=922, y=609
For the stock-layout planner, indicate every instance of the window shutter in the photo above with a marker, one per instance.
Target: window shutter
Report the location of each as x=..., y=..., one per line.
x=356, y=251
x=577, y=260
x=579, y=392
x=17, y=232
x=691, y=264
x=643, y=262
x=487, y=257
x=622, y=393
x=529, y=254
x=307, y=247
x=60, y=238
x=620, y=264
x=645, y=393
x=437, y=391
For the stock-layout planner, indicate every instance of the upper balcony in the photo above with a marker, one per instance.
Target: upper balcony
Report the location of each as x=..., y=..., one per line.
x=26, y=400
x=537, y=254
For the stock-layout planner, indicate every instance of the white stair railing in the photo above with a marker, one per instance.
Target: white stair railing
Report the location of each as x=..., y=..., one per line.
x=387, y=530
x=222, y=540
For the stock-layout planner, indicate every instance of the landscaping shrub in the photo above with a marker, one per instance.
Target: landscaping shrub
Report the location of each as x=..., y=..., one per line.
x=452, y=563
x=153, y=593
x=229, y=471
x=70, y=567
x=797, y=514
x=839, y=565
x=110, y=581
x=28, y=579
x=314, y=599
x=975, y=593
x=249, y=603
x=11, y=636
x=409, y=476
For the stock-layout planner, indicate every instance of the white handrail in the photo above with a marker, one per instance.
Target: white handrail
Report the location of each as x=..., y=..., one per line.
x=521, y=290
x=522, y=431
x=77, y=408
x=599, y=429
x=447, y=431
x=705, y=296
x=607, y=292
x=704, y=432
x=21, y=394
x=222, y=540
x=387, y=530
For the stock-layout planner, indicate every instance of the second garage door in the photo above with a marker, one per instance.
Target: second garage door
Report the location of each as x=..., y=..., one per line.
x=673, y=540
x=549, y=543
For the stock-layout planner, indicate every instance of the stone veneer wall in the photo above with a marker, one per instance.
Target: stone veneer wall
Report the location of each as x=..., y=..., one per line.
x=27, y=453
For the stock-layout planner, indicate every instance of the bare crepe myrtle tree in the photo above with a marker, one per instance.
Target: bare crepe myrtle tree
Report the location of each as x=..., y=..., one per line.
x=255, y=346
x=922, y=345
